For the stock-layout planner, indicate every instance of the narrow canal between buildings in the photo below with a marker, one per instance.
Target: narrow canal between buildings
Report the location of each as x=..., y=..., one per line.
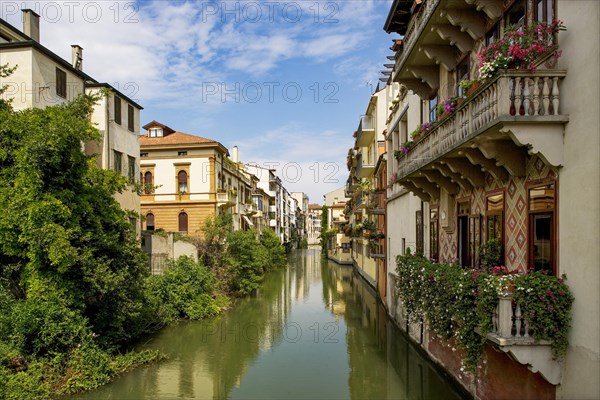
x=314, y=331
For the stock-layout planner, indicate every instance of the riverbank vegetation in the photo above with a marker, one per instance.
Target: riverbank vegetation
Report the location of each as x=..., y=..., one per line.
x=75, y=288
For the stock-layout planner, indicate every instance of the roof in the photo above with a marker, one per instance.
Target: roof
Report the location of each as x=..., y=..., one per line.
x=120, y=94
x=174, y=139
x=337, y=205
x=155, y=123
x=314, y=206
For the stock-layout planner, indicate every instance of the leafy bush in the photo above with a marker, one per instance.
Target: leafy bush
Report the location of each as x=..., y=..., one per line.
x=275, y=252
x=247, y=261
x=183, y=290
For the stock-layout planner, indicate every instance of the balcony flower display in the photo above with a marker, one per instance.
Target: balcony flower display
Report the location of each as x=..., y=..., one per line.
x=446, y=107
x=520, y=48
x=460, y=303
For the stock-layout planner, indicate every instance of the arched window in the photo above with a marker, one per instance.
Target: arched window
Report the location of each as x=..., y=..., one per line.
x=148, y=186
x=183, y=222
x=182, y=180
x=150, y=222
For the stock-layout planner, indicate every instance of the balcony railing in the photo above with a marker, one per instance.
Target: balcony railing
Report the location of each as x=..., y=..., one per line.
x=414, y=30
x=513, y=96
x=510, y=330
x=366, y=131
x=225, y=199
x=364, y=168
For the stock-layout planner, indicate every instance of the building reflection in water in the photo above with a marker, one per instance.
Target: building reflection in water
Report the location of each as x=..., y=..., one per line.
x=314, y=330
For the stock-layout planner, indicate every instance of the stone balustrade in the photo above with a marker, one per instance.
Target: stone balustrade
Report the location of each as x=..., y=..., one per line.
x=512, y=96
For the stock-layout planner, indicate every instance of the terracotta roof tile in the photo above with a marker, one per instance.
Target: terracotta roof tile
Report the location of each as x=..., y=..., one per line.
x=314, y=206
x=174, y=138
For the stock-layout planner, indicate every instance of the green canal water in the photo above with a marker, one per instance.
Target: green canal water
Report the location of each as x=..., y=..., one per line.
x=313, y=331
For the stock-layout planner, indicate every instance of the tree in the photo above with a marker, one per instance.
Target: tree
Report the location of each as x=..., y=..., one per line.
x=62, y=233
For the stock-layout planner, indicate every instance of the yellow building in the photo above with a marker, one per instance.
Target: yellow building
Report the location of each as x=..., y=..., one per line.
x=188, y=179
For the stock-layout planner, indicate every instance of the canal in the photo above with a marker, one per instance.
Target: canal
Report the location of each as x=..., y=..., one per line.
x=313, y=331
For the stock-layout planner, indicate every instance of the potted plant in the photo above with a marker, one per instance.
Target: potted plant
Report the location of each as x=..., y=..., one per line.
x=469, y=86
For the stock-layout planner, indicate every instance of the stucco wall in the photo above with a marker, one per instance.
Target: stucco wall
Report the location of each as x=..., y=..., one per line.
x=579, y=191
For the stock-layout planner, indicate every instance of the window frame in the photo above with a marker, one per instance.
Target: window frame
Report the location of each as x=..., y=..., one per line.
x=130, y=118
x=61, y=83
x=131, y=162
x=552, y=212
x=117, y=162
x=495, y=215
x=186, y=183
x=150, y=216
x=186, y=223
x=117, y=110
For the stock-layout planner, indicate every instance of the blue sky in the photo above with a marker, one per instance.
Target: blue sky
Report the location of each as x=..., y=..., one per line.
x=286, y=81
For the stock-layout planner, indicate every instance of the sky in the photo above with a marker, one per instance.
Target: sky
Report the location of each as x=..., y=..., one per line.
x=285, y=81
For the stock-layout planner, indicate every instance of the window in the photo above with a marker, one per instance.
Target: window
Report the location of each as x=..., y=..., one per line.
x=156, y=132
x=419, y=244
x=130, y=118
x=432, y=112
x=182, y=153
x=182, y=182
x=515, y=16
x=495, y=221
x=183, y=222
x=143, y=154
x=131, y=169
x=542, y=240
x=148, y=186
x=118, y=110
x=462, y=73
x=61, y=83
x=133, y=222
x=464, y=245
x=492, y=35
x=118, y=162
x=150, y=222
x=544, y=10
x=433, y=235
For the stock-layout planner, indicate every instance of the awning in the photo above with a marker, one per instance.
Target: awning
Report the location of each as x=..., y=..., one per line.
x=248, y=221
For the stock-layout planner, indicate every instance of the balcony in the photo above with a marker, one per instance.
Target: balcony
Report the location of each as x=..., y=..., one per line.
x=376, y=204
x=365, y=135
x=512, y=115
x=351, y=185
x=510, y=332
x=364, y=168
x=225, y=199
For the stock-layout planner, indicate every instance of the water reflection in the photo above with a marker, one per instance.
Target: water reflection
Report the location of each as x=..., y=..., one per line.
x=313, y=331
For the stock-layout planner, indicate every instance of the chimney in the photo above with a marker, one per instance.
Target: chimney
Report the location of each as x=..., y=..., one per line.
x=234, y=154
x=31, y=24
x=77, y=56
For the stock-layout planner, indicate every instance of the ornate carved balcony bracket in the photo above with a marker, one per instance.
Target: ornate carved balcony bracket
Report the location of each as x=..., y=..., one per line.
x=417, y=191
x=441, y=54
x=440, y=180
x=506, y=153
x=454, y=177
x=454, y=35
x=468, y=20
x=486, y=164
x=545, y=140
x=421, y=89
x=421, y=183
x=427, y=74
x=492, y=8
x=465, y=169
